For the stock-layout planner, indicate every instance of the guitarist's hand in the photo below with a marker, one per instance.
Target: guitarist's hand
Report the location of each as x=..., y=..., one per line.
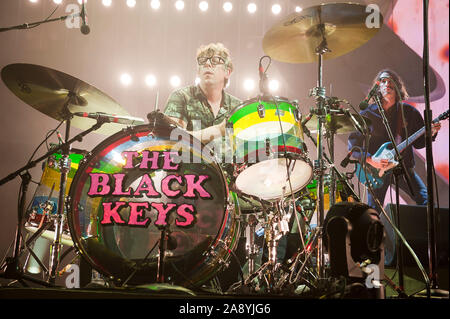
x=435, y=127
x=382, y=164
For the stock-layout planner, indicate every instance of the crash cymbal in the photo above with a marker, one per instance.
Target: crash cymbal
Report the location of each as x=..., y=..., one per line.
x=50, y=91
x=296, y=37
x=339, y=123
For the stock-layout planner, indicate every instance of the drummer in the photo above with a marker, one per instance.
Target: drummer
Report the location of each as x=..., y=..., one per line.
x=201, y=109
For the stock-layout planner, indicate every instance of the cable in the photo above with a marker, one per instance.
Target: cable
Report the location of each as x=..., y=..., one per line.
x=47, y=136
x=46, y=19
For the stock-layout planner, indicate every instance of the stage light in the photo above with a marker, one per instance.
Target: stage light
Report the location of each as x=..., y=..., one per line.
x=274, y=85
x=251, y=7
x=276, y=8
x=131, y=3
x=81, y=2
x=126, y=79
x=107, y=3
x=249, y=84
x=298, y=9
x=150, y=80
x=155, y=4
x=33, y=1
x=57, y=1
x=227, y=6
x=203, y=5
x=354, y=236
x=175, y=81
x=179, y=5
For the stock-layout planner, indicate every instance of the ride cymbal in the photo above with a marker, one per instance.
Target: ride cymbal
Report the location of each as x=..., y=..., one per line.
x=57, y=95
x=344, y=27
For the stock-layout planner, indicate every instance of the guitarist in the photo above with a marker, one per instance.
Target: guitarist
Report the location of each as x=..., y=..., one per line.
x=404, y=120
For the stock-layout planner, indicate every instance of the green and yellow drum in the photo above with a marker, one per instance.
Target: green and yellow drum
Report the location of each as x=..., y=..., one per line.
x=268, y=139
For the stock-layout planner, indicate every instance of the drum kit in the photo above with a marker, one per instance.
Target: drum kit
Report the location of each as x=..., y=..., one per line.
x=180, y=221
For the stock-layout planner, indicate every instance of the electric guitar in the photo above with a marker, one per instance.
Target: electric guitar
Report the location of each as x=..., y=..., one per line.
x=373, y=175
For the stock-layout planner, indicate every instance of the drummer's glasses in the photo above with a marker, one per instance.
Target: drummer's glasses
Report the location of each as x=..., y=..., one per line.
x=215, y=60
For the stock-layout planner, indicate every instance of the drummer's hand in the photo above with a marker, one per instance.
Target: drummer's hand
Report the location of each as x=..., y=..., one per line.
x=383, y=164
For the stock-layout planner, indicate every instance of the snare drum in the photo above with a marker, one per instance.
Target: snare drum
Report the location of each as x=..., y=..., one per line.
x=44, y=205
x=140, y=182
x=267, y=139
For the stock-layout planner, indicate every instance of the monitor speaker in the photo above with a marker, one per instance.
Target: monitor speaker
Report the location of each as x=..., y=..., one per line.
x=413, y=226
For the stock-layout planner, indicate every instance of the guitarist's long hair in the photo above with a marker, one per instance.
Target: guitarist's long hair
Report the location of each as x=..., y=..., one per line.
x=402, y=93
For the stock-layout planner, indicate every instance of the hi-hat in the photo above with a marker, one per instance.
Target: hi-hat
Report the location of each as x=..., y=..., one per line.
x=344, y=26
x=57, y=95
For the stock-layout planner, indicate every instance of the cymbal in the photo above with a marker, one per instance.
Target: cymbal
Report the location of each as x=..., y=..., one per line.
x=50, y=91
x=296, y=37
x=337, y=123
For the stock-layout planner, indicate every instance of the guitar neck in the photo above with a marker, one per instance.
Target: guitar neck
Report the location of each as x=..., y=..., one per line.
x=413, y=137
x=410, y=139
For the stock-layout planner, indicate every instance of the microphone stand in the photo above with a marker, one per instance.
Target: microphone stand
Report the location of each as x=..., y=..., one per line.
x=397, y=172
x=431, y=214
x=31, y=25
x=11, y=269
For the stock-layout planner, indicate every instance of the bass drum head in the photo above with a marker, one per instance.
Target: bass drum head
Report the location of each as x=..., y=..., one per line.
x=133, y=186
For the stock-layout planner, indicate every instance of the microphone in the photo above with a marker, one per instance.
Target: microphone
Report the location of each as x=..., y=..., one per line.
x=346, y=160
x=365, y=103
x=84, y=25
x=110, y=118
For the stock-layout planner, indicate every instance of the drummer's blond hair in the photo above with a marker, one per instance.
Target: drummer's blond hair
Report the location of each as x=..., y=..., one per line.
x=217, y=49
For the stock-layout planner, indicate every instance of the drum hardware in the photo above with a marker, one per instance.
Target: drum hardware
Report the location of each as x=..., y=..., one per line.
x=138, y=266
x=47, y=207
x=11, y=265
x=166, y=242
x=261, y=111
x=317, y=27
x=32, y=240
x=251, y=247
x=293, y=276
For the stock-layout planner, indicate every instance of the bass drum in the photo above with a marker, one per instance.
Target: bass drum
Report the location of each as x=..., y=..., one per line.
x=143, y=180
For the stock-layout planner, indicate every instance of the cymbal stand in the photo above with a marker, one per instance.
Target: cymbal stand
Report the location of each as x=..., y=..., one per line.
x=332, y=187
x=64, y=166
x=319, y=167
x=11, y=268
x=251, y=247
x=274, y=228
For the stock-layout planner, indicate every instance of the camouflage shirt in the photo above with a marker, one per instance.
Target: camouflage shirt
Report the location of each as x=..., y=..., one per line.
x=191, y=105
